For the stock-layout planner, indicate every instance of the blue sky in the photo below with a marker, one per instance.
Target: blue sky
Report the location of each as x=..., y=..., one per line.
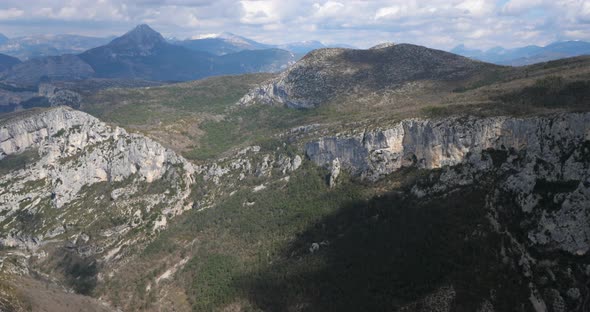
x=437, y=23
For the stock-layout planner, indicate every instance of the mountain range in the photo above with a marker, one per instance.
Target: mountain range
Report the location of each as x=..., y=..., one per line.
x=143, y=53
x=230, y=43
x=222, y=44
x=34, y=46
x=526, y=55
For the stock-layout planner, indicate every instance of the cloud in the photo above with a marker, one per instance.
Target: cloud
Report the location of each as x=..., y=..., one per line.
x=476, y=8
x=328, y=9
x=515, y=7
x=390, y=12
x=436, y=23
x=10, y=13
x=259, y=12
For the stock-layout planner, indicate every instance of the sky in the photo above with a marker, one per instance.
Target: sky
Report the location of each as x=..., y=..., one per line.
x=440, y=24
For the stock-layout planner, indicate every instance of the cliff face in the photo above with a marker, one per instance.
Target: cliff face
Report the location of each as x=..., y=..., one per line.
x=534, y=177
x=432, y=144
x=529, y=156
x=73, y=153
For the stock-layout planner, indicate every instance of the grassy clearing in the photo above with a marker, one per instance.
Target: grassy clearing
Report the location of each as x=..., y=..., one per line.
x=171, y=102
x=251, y=125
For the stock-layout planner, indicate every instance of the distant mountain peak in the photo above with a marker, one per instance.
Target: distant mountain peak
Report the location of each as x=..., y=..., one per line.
x=141, y=34
x=233, y=38
x=141, y=40
x=383, y=45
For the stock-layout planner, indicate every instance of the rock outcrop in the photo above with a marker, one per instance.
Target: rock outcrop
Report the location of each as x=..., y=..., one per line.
x=57, y=96
x=74, y=152
x=432, y=144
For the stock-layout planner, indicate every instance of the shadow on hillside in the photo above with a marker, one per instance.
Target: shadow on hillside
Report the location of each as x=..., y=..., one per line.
x=388, y=252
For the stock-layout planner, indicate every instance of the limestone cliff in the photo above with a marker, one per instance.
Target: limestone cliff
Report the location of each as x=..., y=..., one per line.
x=536, y=176
x=73, y=152
x=432, y=144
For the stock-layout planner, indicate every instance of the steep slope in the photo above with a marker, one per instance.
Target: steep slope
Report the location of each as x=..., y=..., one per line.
x=532, y=177
x=7, y=62
x=30, y=73
x=325, y=74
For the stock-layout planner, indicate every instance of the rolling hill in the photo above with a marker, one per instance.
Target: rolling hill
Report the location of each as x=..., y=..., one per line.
x=326, y=74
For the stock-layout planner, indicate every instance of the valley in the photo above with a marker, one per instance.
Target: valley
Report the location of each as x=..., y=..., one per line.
x=396, y=178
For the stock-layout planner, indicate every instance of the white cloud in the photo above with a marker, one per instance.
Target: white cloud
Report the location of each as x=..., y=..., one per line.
x=437, y=23
x=258, y=12
x=477, y=7
x=205, y=36
x=10, y=13
x=521, y=6
x=391, y=12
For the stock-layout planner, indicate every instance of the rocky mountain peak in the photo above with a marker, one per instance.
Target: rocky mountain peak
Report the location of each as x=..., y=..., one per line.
x=141, y=39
